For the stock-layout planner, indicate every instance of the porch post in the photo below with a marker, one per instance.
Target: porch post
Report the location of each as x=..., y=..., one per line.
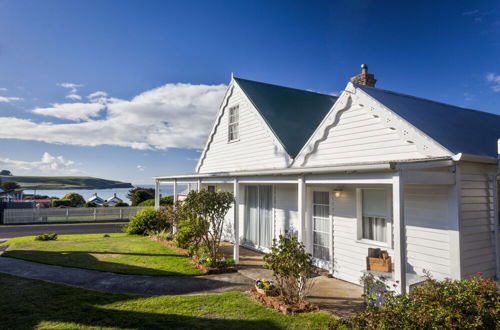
x=199, y=185
x=236, y=221
x=157, y=194
x=301, y=206
x=398, y=211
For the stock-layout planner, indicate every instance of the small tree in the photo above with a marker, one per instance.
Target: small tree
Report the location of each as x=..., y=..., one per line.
x=10, y=185
x=138, y=195
x=76, y=199
x=90, y=204
x=5, y=172
x=291, y=266
x=205, y=211
x=121, y=204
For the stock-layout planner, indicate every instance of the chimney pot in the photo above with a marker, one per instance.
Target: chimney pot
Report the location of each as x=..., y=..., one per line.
x=364, y=78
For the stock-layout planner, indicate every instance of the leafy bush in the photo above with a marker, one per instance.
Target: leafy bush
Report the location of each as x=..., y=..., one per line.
x=76, y=199
x=291, y=266
x=146, y=221
x=163, y=234
x=106, y=235
x=187, y=235
x=164, y=201
x=204, y=212
x=61, y=202
x=90, y=204
x=46, y=237
x=121, y=204
x=467, y=304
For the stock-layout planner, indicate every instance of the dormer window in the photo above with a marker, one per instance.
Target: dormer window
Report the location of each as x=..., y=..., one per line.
x=233, y=124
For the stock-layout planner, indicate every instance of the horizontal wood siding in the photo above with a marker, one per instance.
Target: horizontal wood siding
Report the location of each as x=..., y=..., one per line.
x=427, y=222
x=360, y=137
x=476, y=221
x=256, y=148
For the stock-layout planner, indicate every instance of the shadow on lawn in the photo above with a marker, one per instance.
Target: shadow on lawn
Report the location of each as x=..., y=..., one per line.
x=32, y=302
x=86, y=260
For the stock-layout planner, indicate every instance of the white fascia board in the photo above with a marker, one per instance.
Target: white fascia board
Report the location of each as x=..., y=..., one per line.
x=473, y=158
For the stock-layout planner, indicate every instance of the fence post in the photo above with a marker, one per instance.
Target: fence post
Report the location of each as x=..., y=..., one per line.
x=95, y=213
x=67, y=214
x=121, y=213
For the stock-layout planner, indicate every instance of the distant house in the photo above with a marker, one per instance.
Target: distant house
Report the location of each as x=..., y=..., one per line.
x=11, y=195
x=96, y=199
x=114, y=200
x=370, y=168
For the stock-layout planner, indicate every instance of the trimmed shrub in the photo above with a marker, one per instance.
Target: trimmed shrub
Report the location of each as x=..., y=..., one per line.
x=146, y=221
x=467, y=304
x=121, y=204
x=164, y=201
x=61, y=202
x=148, y=202
x=76, y=199
x=90, y=204
x=46, y=237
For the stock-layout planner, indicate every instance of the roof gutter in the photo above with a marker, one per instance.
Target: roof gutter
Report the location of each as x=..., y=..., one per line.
x=286, y=171
x=474, y=158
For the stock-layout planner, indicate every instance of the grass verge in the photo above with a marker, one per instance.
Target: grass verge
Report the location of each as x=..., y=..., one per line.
x=119, y=253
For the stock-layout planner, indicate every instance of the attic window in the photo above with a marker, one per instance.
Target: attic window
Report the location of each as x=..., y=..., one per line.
x=233, y=124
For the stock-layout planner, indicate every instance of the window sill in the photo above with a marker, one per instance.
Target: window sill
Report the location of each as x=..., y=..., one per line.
x=233, y=141
x=373, y=243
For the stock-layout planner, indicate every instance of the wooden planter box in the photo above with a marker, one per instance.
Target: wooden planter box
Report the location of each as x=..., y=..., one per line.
x=379, y=264
x=267, y=293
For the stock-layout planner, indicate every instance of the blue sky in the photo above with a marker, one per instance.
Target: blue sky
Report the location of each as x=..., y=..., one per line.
x=160, y=68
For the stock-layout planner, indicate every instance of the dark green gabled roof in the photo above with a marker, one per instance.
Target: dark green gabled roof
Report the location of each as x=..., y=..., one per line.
x=292, y=114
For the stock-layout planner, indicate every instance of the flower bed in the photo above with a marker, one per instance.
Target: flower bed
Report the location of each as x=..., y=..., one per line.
x=276, y=303
x=213, y=270
x=230, y=268
x=266, y=288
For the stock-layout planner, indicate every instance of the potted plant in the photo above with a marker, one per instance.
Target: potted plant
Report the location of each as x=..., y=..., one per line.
x=265, y=287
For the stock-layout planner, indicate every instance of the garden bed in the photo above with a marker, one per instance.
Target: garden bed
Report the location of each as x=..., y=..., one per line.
x=276, y=303
x=196, y=262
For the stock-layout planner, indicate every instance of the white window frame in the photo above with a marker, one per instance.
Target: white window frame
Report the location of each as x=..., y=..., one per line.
x=359, y=215
x=233, y=124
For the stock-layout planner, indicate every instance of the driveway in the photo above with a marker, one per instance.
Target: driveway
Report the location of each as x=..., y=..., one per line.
x=10, y=231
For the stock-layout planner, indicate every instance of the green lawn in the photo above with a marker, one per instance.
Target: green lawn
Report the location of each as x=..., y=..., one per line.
x=32, y=304
x=120, y=253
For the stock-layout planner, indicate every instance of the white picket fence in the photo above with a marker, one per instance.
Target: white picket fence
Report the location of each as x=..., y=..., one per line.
x=35, y=215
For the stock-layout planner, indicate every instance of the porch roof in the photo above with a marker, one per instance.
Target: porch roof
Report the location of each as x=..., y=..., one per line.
x=341, y=168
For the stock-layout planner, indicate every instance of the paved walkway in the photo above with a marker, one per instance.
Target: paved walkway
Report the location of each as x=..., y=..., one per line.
x=135, y=284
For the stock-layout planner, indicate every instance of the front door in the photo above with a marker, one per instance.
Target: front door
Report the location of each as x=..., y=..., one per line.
x=258, y=216
x=321, y=225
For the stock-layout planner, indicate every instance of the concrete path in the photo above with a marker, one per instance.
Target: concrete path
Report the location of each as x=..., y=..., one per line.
x=132, y=284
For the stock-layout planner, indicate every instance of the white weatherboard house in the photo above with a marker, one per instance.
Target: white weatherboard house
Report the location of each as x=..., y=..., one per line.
x=368, y=169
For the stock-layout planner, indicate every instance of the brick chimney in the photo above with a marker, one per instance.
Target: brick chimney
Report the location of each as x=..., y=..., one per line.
x=364, y=78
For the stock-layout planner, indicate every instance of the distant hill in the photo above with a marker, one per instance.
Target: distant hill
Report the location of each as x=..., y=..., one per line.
x=64, y=182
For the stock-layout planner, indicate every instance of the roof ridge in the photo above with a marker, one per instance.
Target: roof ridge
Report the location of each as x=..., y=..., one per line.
x=428, y=100
x=292, y=88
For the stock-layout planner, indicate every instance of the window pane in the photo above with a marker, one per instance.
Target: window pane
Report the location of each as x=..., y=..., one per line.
x=321, y=224
x=320, y=197
x=375, y=228
x=321, y=252
x=374, y=202
x=320, y=211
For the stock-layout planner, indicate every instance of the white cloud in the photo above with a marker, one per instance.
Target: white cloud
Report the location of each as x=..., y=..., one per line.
x=7, y=99
x=2, y=89
x=494, y=81
x=171, y=116
x=48, y=164
x=472, y=12
x=140, y=168
x=71, y=111
x=73, y=88
x=97, y=95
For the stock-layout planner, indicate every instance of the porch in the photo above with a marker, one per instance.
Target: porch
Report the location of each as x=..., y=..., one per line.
x=336, y=297
x=324, y=208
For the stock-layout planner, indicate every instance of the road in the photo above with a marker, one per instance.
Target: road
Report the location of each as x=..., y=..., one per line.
x=10, y=231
